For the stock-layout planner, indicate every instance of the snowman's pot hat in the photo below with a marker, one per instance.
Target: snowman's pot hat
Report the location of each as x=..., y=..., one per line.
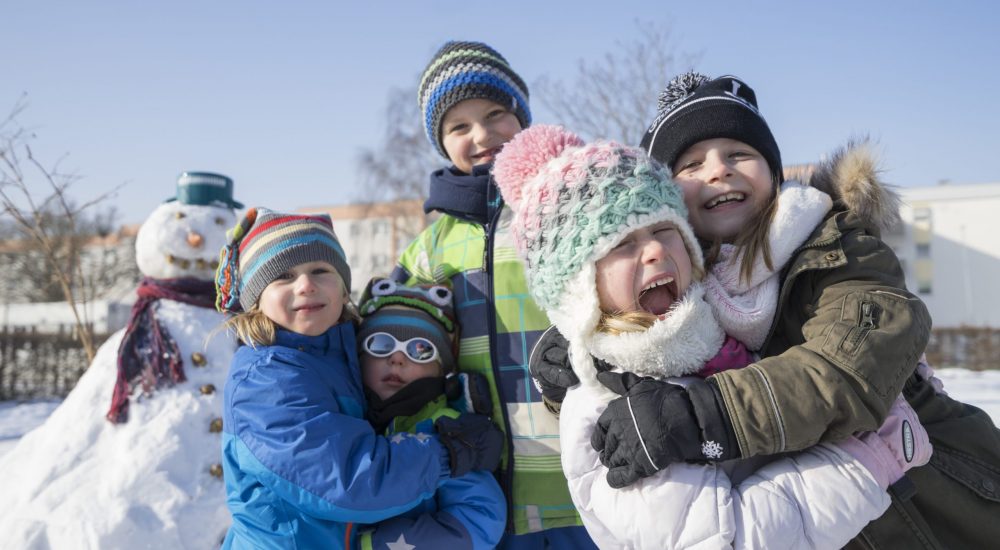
x=205, y=189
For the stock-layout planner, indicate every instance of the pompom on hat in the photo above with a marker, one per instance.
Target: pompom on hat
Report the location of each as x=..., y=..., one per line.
x=694, y=107
x=265, y=244
x=573, y=202
x=468, y=70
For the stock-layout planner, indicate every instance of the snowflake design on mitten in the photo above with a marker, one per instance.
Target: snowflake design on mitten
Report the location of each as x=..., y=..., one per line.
x=711, y=450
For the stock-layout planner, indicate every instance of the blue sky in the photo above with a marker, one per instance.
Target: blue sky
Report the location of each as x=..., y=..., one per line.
x=282, y=96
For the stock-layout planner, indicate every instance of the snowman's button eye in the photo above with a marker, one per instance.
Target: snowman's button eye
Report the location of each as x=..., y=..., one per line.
x=220, y=221
x=440, y=295
x=384, y=287
x=179, y=215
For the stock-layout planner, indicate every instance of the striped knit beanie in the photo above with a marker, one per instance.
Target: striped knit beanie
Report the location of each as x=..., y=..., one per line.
x=573, y=202
x=265, y=244
x=408, y=312
x=694, y=108
x=468, y=70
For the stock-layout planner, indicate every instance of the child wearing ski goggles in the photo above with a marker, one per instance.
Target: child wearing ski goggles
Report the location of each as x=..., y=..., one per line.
x=405, y=346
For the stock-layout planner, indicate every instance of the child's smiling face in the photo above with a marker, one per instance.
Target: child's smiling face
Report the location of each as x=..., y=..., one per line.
x=307, y=299
x=725, y=182
x=474, y=130
x=648, y=271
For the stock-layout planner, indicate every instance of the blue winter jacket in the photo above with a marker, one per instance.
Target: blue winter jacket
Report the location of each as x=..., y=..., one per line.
x=301, y=463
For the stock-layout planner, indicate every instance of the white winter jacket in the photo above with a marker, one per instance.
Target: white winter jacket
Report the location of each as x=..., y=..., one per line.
x=820, y=498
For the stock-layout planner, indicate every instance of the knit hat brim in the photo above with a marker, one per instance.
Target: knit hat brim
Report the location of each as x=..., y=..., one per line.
x=712, y=118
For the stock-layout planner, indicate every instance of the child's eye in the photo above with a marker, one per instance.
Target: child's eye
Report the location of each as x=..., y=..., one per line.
x=457, y=128
x=496, y=112
x=690, y=165
x=665, y=229
x=320, y=271
x=622, y=245
x=286, y=276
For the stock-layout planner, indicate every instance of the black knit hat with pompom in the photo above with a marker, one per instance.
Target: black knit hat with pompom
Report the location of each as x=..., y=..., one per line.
x=694, y=108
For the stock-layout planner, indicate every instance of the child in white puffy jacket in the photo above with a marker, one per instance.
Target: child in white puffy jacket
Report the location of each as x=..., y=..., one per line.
x=612, y=259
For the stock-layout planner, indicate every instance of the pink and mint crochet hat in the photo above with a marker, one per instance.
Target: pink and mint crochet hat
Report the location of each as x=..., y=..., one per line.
x=573, y=202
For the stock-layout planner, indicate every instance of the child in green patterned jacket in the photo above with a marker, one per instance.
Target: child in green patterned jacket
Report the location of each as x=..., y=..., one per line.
x=473, y=103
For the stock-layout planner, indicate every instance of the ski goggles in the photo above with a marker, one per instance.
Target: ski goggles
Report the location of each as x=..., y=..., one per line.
x=383, y=344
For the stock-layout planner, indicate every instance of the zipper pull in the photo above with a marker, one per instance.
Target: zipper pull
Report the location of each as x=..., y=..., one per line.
x=867, y=315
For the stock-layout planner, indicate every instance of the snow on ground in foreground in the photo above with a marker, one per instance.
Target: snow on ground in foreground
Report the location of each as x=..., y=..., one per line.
x=981, y=389
x=18, y=418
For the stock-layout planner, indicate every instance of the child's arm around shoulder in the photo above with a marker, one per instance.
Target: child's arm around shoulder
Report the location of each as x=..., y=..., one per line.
x=293, y=432
x=847, y=335
x=471, y=513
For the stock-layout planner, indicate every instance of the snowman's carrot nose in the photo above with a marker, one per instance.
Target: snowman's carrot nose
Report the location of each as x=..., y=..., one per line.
x=195, y=239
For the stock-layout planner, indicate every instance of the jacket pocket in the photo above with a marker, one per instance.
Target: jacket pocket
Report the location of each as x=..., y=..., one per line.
x=979, y=477
x=878, y=338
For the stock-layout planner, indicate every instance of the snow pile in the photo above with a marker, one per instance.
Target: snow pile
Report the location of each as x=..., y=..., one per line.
x=79, y=481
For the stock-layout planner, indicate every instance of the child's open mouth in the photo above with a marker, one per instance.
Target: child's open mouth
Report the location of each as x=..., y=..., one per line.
x=309, y=308
x=658, y=296
x=489, y=153
x=734, y=196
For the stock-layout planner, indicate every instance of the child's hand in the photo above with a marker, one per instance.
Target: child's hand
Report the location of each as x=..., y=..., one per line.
x=899, y=444
x=473, y=442
x=657, y=423
x=549, y=366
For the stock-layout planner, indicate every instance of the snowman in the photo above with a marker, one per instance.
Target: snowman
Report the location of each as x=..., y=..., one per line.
x=145, y=472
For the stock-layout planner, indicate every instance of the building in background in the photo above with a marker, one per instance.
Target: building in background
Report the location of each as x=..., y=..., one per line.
x=949, y=246
x=109, y=280
x=374, y=234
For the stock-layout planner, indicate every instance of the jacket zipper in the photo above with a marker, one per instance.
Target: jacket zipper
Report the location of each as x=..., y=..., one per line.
x=787, y=283
x=491, y=322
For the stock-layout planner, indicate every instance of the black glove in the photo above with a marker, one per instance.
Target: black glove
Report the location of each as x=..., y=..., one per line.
x=674, y=424
x=549, y=366
x=473, y=442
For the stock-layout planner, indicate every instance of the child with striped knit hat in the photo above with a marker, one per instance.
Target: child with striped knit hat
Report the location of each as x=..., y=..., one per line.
x=611, y=257
x=295, y=437
x=472, y=103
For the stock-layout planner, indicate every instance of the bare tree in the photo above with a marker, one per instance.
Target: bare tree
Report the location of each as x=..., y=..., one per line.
x=614, y=96
x=53, y=224
x=398, y=168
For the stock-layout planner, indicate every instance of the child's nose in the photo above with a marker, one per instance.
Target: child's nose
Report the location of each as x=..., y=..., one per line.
x=653, y=251
x=397, y=359
x=480, y=134
x=718, y=168
x=304, y=283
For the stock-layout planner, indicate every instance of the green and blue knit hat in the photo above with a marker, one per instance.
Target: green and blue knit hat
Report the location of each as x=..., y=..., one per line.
x=468, y=70
x=265, y=244
x=408, y=312
x=573, y=202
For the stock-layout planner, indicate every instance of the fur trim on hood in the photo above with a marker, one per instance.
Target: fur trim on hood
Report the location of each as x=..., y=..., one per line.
x=851, y=176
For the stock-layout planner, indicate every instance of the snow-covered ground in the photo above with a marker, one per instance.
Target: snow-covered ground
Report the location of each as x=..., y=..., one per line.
x=981, y=389
x=17, y=419
x=188, y=445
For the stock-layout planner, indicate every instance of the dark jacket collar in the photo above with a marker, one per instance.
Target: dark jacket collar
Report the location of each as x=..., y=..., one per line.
x=464, y=196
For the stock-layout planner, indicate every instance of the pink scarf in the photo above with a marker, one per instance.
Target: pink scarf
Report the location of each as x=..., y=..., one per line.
x=746, y=309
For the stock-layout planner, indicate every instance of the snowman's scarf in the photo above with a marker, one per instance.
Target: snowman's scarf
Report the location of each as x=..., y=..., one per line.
x=147, y=351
